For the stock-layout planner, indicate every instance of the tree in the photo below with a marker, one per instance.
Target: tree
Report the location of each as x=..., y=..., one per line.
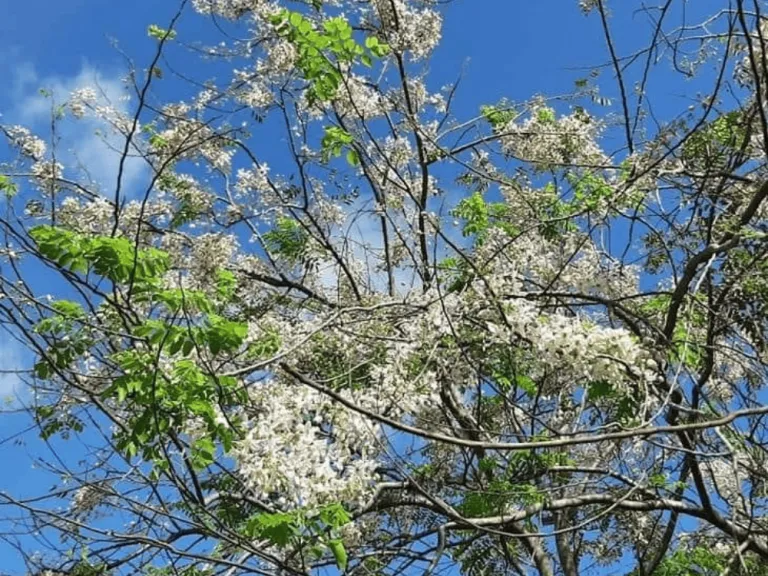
x=342, y=365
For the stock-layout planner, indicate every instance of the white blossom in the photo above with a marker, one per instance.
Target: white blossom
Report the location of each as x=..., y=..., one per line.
x=29, y=144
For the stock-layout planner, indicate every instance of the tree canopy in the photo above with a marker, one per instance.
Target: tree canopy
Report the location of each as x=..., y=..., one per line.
x=530, y=341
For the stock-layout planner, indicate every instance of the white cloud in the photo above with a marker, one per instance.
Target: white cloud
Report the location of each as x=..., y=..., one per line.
x=11, y=362
x=87, y=142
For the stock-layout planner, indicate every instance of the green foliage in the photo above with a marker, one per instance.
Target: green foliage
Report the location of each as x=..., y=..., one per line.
x=507, y=369
x=226, y=285
x=8, y=186
x=624, y=404
x=179, y=571
x=499, y=494
x=157, y=142
x=479, y=216
x=85, y=568
x=335, y=140
x=339, y=553
x=265, y=346
x=52, y=423
x=555, y=215
x=458, y=273
x=158, y=33
x=161, y=400
x=589, y=190
x=321, y=50
x=698, y=561
x=711, y=144
x=498, y=116
x=683, y=347
x=114, y=258
x=164, y=401
x=318, y=527
x=176, y=300
x=508, y=483
x=185, y=213
x=531, y=463
x=63, y=331
x=287, y=240
x=546, y=116
x=684, y=350
x=278, y=528
x=224, y=335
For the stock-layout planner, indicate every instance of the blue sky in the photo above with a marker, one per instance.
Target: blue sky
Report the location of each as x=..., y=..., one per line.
x=504, y=48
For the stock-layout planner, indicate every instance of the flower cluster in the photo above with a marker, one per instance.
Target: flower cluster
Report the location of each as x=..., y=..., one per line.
x=408, y=28
x=80, y=100
x=86, y=499
x=548, y=141
x=188, y=138
x=357, y=99
x=27, y=143
x=231, y=9
x=303, y=450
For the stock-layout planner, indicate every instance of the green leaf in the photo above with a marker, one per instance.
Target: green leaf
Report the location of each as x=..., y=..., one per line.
x=335, y=516
x=43, y=370
x=203, y=453
x=68, y=309
x=158, y=33
x=498, y=116
x=287, y=239
x=339, y=554
x=277, y=528
x=226, y=284
x=8, y=186
x=352, y=157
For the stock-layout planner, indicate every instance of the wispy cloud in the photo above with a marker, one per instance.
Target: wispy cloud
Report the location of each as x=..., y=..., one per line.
x=12, y=361
x=88, y=143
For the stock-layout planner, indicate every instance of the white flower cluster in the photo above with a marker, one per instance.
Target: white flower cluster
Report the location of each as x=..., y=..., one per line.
x=570, y=264
x=254, y=179
x=255, y=192
x=574, y=347
x=188, y=138
x=586, y=6
x=230, y=9
x=580, y=351
x=306, y=447
x=304, y=450
x=419, y=97
x=27, y=143
x=591, y=273
x=95, y=216
x=80, y=100
x=187, y=190
x=86, y=499
x=410, y=29
x=117, y=119
x=209, y=253
x=726, y=479
x=356, y=98
x=391, y=153
x=251, y=89
x=45, y=173
x=281, y=58
x=548, y=141
x=329, y=212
